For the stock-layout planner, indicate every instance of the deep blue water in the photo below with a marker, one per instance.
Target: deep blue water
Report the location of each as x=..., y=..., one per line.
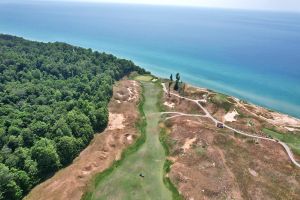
x=252, y=55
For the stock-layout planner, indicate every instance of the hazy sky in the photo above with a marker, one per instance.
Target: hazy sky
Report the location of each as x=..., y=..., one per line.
x=282, y=5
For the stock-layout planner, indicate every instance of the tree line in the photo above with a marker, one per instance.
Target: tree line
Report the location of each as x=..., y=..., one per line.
x=53, y=98
x=179, y=86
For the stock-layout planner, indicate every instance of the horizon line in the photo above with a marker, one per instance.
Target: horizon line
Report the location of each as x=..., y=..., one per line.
x=153, y=4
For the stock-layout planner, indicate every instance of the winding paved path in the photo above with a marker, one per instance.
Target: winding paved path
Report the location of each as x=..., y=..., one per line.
x=179, y=114
x=208, y=115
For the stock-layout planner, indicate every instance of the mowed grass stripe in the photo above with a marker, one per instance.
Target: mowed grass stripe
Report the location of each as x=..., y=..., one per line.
x=124, y=182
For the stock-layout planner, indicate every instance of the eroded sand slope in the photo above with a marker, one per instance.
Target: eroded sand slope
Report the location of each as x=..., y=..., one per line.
x=70, y=182
x=217, y=163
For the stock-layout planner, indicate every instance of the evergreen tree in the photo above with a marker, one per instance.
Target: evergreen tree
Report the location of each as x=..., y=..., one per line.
x=176, y=86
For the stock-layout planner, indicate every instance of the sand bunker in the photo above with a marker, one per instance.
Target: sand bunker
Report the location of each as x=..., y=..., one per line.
x=129, y=137
x=230, y=116
x=115, y=121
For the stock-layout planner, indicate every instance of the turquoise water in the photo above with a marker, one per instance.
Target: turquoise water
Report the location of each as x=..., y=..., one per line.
x=248, y=54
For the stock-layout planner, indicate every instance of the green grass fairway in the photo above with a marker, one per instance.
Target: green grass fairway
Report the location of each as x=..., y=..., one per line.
x=143, y=78
x=124, y=182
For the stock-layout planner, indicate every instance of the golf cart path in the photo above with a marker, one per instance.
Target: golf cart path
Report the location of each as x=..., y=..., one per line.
x=208, y=115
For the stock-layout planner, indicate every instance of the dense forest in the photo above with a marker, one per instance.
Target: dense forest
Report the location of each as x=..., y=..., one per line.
x=53, y=98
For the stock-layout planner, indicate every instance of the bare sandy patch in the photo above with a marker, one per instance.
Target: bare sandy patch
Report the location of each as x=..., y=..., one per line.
x=284, y=120
x=193, y=123
x=188, y=143
x=252, y=172
x=274, y=118
x=115, y=121
x=290, y=129
x=133, y=93
x=104, y=149
x=223, y=165
x=129, y=137
x=129, y=92
x=230, y=116
x=170, y=105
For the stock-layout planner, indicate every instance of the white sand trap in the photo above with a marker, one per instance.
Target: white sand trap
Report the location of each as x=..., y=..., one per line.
x=170, y=105
x=188, y=143
x=115, y=121
x=129, y=137
x=230, y=117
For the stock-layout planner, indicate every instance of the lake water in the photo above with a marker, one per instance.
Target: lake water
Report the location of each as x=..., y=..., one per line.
x=252, y=55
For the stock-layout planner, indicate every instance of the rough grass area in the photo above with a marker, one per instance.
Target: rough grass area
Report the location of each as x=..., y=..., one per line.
x=141, y=126
x=292, y=140
x=167, y=166
x=222, y=101
x=123, y=180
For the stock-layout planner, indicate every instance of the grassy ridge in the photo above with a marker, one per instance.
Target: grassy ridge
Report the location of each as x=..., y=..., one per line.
x=291, y=140
x=160, y=95
x=167, y=165
x=144, y=159
x=127, y=182
x=141, y=126
x=222, y=101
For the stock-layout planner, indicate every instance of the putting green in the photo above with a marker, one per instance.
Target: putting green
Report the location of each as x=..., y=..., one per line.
x=144, y=78
x=125, y=182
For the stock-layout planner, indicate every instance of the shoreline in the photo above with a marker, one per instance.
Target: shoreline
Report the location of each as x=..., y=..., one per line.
x=217, y=122
x=256, y=102
x=247, y=102
x=154, y=72
x=241, y=100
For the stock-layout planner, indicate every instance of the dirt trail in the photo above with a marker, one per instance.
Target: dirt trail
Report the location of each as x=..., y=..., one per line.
x=70, y=182
x=208, y=115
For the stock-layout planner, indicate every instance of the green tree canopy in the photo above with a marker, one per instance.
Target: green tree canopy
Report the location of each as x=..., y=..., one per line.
x=67, y=148
x=44, y=153
x=53, y=98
